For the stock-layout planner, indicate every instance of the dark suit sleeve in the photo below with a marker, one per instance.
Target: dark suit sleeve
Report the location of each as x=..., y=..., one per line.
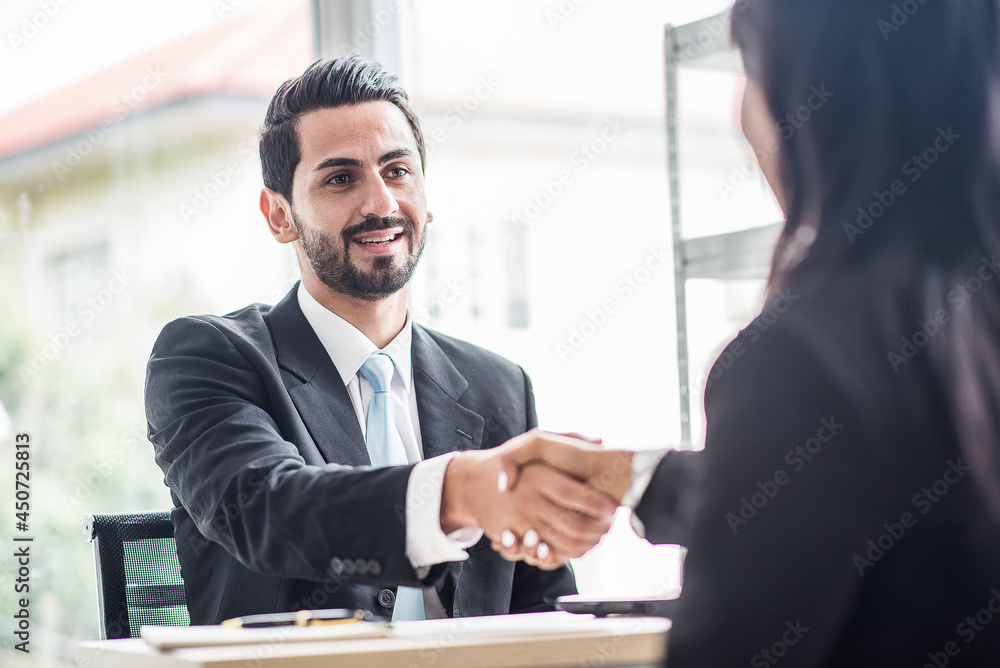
x=535, y=590
x=208, y=398
x=786, y=502
x=666, y=509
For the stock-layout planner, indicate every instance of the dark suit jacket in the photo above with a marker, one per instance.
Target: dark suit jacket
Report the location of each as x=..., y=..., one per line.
x=276, y=506
x=836, y=523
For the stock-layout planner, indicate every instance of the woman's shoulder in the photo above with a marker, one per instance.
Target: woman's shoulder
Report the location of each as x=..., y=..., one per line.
x=836, y=343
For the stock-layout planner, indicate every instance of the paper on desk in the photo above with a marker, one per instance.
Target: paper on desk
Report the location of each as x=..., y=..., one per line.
x=171, y=637
x=530, y=624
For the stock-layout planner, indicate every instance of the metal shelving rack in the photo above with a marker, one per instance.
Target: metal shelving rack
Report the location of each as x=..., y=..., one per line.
x=704, y=44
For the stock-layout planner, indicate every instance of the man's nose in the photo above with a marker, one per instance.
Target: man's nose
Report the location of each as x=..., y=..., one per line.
x=378, y=199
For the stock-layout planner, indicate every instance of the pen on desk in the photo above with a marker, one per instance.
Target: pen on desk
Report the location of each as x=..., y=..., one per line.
x=300, y=618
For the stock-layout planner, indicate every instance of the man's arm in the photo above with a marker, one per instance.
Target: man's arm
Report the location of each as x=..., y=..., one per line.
x=209, y=394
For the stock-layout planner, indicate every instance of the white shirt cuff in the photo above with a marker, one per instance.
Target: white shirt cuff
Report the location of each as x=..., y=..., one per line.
x=426, y=543
x=644, y=463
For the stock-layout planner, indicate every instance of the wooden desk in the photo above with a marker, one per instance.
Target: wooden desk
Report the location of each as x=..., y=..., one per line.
x=546, y=640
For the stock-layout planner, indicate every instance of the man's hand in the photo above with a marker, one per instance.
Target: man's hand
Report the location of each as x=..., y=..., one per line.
x=566, y=515
x=606, y=471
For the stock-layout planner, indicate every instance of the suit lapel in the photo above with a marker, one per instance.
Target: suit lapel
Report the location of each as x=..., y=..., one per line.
x=315, y=386
x=445, y=425
x=322, y=402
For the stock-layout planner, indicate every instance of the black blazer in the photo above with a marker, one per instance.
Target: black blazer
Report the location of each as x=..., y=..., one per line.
x=836, y=522
x=276, y=506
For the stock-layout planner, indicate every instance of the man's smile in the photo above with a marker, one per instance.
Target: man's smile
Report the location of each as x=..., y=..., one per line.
x=379, y=237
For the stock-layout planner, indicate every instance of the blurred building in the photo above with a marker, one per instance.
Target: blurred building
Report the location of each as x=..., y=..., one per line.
x=146, y=174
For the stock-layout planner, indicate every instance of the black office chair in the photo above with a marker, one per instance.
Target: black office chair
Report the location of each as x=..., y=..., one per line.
x=138, y=576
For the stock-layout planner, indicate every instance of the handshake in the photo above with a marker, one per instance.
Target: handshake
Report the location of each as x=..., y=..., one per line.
x=541, y=497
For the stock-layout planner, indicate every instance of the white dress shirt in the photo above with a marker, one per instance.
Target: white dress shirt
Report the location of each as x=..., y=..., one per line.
x=348, y=348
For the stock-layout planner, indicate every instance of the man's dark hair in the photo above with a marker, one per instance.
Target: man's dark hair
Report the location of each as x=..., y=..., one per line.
x=324, y=85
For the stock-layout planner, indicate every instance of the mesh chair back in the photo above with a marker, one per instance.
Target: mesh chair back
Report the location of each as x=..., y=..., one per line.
x=138, y=576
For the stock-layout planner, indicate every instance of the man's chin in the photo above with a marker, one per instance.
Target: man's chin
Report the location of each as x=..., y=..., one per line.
x=371, y=286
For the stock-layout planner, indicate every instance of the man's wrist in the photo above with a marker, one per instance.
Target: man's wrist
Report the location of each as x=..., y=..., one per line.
x=456, y=504
x=426, y=543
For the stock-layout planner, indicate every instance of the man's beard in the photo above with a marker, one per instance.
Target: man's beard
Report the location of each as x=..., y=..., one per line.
x=332, y=264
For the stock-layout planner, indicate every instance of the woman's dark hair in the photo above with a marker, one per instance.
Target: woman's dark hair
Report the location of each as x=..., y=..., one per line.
x=325, y=84
x=899, y=169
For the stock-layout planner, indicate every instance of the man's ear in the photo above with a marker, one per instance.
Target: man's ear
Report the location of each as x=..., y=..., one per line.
x=278, y=213
x=430, y=216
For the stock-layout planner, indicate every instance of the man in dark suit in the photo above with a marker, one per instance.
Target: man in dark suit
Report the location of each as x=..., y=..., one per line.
x=259, y=418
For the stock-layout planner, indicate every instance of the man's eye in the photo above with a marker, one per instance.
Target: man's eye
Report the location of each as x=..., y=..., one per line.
x=397, y=172
x=338, y=179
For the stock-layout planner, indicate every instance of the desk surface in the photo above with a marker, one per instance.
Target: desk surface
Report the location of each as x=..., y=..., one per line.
x=546, y=640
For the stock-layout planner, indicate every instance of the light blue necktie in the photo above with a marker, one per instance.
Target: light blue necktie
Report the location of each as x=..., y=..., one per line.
x=385, y=448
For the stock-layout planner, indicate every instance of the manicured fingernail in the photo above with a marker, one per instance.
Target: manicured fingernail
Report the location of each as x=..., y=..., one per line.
x=507, y=538
x=502, y=481
x=543, y=551
x=530, y=538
